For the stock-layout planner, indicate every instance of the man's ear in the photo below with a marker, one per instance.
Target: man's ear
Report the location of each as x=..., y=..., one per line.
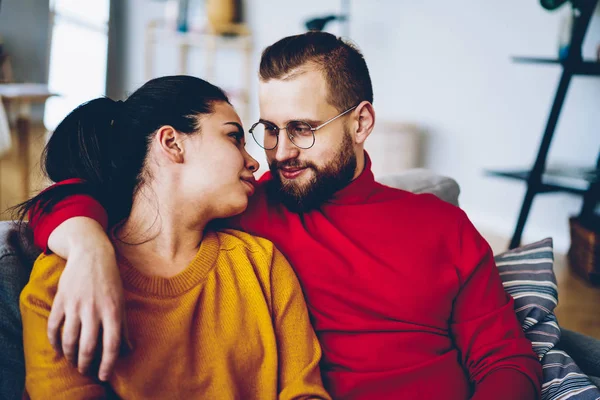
x=366, y=121
x=170, y=143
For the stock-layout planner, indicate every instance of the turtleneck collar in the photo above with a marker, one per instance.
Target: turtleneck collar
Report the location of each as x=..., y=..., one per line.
x=359, y=189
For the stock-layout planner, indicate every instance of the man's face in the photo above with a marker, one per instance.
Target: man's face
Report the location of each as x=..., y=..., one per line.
x=305, y=178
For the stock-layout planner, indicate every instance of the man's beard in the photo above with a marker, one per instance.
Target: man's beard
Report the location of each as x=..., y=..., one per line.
x=325, y=181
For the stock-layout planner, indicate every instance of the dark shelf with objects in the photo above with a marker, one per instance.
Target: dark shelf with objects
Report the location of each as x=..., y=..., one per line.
x=582, y=67
x=539, y=178
x=560, y=179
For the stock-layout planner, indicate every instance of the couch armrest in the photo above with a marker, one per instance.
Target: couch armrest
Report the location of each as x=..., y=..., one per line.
x=18, y=239
x=420, y=180
x=585, y=350
x=17, y=255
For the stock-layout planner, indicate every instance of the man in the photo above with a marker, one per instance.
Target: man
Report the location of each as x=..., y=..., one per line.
x=403, y=292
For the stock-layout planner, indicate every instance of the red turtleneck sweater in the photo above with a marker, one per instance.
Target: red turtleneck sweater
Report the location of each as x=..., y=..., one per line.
x=403, y=293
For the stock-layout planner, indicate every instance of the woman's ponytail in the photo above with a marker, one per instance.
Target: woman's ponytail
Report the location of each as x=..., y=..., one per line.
x=84, y=145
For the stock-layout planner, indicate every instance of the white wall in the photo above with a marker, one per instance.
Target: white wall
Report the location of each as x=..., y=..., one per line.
x=24, y=27
x=446, y=67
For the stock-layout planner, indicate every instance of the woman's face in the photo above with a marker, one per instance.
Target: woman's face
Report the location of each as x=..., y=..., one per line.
x=216, y=174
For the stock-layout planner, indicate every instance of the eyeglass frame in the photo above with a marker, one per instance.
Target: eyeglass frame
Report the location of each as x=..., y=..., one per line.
x=279, y=129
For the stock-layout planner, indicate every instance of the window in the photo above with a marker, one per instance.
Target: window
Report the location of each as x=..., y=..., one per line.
x=78, y=55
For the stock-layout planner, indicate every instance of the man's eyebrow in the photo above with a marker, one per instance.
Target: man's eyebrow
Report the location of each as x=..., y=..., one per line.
x=311, y=122
x=266, y=120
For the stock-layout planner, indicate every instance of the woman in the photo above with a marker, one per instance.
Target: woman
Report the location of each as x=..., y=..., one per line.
x=209, y=314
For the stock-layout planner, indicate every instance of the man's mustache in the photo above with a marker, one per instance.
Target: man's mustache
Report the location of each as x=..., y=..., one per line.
x=276, y=165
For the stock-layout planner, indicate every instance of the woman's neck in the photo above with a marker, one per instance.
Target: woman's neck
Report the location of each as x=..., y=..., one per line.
x=158, y=237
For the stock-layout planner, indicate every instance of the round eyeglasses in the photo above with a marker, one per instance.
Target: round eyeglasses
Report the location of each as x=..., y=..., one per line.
x=300, y=133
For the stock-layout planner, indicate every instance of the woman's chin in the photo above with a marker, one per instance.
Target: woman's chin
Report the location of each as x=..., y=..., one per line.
x=236, y=206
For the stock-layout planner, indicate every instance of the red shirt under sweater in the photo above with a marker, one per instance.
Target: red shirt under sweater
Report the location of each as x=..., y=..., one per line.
x=403, y=293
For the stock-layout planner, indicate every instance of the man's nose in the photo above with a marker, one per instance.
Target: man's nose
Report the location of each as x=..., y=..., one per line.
x=286, y=150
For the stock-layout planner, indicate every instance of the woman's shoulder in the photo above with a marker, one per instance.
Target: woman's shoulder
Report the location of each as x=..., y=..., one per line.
x=250, y=257
x=258, y=253
x=47, y=265
x=43, y=281
x=232, y=239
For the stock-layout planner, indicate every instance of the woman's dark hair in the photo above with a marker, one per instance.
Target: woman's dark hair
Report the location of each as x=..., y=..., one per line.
x=105, y=142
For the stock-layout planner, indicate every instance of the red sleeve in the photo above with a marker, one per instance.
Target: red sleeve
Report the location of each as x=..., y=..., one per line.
x=506, y=384
x=485, y=327
x=78, y=205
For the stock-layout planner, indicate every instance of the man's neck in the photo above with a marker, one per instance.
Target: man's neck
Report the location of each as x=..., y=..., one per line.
x=360, y=164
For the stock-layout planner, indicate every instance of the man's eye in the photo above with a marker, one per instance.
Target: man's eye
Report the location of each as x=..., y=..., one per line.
x=301, y=130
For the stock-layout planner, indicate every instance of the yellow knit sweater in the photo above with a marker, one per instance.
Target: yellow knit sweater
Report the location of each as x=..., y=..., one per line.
x=232, y=325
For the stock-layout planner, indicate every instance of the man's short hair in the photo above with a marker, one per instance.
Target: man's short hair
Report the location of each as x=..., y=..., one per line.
x=342, y=64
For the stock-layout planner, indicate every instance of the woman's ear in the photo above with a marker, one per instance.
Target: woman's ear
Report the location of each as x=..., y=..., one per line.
x=366, y=121
x=169, y=143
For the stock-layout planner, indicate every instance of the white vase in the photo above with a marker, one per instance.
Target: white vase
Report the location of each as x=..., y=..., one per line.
x=394, y=147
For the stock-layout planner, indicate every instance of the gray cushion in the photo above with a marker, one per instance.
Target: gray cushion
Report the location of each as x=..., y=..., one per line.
x=424, y=181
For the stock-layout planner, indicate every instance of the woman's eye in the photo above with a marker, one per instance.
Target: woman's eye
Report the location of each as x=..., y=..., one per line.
x=238, y=136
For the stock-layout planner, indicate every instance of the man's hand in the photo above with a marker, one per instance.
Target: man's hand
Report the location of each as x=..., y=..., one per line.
x=89, y=297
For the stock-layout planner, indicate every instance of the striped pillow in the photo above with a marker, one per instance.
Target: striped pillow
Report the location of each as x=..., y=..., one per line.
x=528, y=277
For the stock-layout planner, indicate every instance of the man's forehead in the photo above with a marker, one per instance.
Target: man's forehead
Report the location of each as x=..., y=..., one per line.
x=301, y=80
x=302, y=97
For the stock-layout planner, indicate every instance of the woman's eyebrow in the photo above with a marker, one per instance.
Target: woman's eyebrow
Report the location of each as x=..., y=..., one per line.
x=240, y=128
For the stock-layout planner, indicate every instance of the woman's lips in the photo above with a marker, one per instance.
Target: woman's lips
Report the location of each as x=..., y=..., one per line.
x=250, y=186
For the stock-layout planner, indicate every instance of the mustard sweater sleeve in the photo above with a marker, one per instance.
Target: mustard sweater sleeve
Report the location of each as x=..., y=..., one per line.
x=298, y=347
x=48, y=374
